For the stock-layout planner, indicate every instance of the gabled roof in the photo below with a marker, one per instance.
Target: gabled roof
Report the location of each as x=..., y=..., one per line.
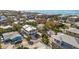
x=68, y=39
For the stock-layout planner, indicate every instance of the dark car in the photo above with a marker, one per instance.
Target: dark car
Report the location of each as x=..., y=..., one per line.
x=30, y=42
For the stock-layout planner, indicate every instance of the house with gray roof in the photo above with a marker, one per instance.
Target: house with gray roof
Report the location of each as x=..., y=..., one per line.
x=72, y=19
x=66, y=41
x=12, y=37
x=63, y=18
x=2, y=19
x=73, y=32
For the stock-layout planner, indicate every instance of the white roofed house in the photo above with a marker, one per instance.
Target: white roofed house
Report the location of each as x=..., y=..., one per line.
x=76, y=24
x=72, y=19
x=22, y=20
x=73, y=32
x=66, y=41
x=29, y=30
x=30, y=20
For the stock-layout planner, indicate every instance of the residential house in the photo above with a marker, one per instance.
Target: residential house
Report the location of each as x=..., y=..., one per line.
x=31, y=20
x=2, y=20
x=76, y=24
x=66, y=41
x=11, y=37
x=29, y=30
x=72, y=19
x=40, y=27
x=63, y=18
x=50, y=33
x=41, y=19
x=73, y=32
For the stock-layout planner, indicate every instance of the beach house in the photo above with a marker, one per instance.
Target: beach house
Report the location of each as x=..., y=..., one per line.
x=11, y=37
x=66, y=41
x=28, y=30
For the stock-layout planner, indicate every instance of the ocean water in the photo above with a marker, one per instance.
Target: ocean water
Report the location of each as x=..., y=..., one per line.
x=56, y=11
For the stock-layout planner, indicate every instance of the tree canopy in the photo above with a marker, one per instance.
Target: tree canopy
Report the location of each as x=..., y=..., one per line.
x=16, y=27
x=45, y=39
x=1, y=31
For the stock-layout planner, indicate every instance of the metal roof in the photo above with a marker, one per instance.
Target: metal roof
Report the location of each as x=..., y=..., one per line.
x=10, y=35
x=73, y=30
x=68, y=39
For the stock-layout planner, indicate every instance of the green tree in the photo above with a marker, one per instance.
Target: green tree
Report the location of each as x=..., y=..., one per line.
x=17, y=27
x=54, y=46
x=56, y=30
x=45, y=39
x=0, y=46
x=32, y=23
x=10, y=20
x=1, y=31
x=28, y=38
x=49, y=24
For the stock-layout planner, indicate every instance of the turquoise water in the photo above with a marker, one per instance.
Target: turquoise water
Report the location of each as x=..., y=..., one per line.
x=56, y=11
